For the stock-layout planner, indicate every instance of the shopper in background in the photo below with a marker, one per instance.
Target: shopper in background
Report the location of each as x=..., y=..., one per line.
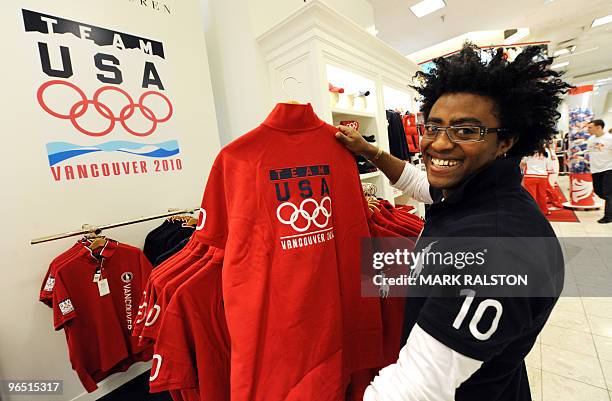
x=551, y=188
x=481, y=119
x=599, y=146
x=536, y=169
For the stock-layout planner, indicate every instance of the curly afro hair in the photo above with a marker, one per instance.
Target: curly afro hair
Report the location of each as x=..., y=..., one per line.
x=526, y=91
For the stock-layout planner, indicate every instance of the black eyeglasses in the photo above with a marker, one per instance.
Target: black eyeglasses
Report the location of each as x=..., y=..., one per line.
x=458, y=133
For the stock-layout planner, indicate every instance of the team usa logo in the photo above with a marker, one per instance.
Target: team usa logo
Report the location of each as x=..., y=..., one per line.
x=79, y=108
x=103, y=99
x=304, y=208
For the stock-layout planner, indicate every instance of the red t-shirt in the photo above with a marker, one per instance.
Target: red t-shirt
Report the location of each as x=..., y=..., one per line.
x=46, y=290
x=285, y=201
x=193, y=346
x=98, y=327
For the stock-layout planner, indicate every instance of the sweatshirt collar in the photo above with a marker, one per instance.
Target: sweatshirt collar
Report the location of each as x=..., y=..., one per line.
x=502, y=173
x=293, y=118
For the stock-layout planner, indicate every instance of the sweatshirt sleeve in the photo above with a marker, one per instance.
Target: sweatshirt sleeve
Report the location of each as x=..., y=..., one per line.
x=413, y=182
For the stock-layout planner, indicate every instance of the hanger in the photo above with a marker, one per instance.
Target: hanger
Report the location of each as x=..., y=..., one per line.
x=291, y=101
x=97, y=240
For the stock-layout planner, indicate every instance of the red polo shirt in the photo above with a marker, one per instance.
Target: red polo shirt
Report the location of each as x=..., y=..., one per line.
x=98, y=327
x=46, y=290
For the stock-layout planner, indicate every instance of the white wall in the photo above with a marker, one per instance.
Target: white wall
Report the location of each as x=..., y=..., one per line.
x=33, y=204
x=240, y=77
x=267, y=13
x=238, y=70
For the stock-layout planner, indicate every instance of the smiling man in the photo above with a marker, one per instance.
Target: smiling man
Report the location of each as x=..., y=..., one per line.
x=480, y=119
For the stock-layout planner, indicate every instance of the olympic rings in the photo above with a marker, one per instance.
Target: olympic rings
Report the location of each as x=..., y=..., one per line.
x=79, y=108
x=310, y=219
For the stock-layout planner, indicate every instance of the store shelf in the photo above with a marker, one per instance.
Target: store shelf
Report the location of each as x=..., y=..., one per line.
x=370, y=175
x=356, y=113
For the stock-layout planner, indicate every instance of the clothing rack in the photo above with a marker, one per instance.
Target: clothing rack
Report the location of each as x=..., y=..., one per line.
x=87, y=229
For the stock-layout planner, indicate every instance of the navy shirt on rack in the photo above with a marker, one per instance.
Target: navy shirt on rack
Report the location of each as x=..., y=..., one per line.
x=398, y=145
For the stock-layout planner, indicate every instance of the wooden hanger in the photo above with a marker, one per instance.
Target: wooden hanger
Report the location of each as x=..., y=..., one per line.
x=98, y=242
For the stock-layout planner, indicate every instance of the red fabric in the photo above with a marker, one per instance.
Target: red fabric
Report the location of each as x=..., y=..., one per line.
x=552, y=196
x=193, y=346
x=292, y=280
x=562, y=215
x=537, y=188
x=390, y=225
x=158, y=284
x=412, y=135
x=392, y=311
x=46, y=289
x=147, y=299
x=98, y=327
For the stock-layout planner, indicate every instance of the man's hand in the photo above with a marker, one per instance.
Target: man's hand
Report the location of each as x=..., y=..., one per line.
x=355, y=142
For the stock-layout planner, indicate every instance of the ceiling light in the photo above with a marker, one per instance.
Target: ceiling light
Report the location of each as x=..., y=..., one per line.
x=604, y=80
x=548, y=1
x=425, y=7
x=518, y=35
x=559, y=65
x=372, y=30
x=602, y=21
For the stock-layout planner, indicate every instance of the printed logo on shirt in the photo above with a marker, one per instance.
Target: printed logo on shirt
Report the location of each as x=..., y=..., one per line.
x=127, y=297
x=599, y=147
x=304, y=208
x=66, y=307
x=202, y=219
x=49, y=284
x=127, y=277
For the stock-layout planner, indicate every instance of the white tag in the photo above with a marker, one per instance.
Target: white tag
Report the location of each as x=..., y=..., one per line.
x=96, y=277
x=103, y=287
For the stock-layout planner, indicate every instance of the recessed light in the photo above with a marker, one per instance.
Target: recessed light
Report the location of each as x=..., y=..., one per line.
x=372, y=30
x=425, y=7
x=602, y=21
x=559, y=65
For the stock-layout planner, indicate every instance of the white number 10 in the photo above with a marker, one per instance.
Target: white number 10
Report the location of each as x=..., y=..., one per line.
x=482, y=307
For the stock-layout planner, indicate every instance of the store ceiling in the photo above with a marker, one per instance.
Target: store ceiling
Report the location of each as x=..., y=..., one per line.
x=556, y=21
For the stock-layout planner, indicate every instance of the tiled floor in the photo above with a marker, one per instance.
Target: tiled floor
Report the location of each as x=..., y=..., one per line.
x=572, y=359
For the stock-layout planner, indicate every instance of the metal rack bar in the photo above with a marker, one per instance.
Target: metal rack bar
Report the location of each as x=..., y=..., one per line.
x=98, y=229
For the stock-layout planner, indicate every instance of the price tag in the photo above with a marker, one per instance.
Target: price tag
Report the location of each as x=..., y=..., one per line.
x=103, y=287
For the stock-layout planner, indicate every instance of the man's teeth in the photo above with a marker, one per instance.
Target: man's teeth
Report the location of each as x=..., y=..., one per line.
x=444, y=162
